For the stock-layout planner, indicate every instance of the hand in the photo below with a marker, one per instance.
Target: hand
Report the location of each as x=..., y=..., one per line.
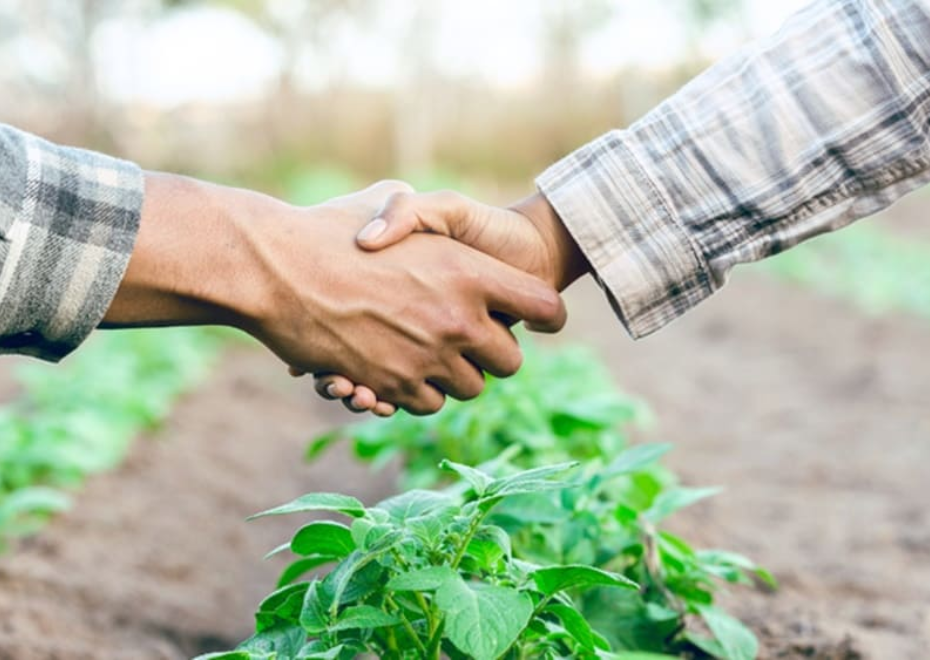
x=529, y=235
x=412, y=323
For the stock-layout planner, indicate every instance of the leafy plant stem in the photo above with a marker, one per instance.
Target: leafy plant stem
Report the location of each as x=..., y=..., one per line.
x=405, y=622
x=428, y=610
x=435, y=643
x=652, y=564
x=469, y=535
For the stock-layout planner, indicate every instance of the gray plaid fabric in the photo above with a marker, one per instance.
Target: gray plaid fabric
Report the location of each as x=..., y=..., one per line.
x=802, y=133
x=68, y=221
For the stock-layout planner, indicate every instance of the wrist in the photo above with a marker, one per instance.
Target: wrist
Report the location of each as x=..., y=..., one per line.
x=567, y=259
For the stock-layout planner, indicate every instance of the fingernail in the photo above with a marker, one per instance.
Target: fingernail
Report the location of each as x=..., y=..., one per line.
x=331, y=390
x=372, y=230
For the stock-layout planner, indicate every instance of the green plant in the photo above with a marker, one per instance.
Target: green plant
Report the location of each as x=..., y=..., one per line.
x=428, y=574
x=78, y=419
x=562, y=406
x=422, y=575
x=871, y=268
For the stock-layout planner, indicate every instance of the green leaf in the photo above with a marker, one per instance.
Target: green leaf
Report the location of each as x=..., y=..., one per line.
x=529, y=508
x=337, y=582
x=226, y=655
x=489, y=546
x=532, y=481
x=283, y=605
x=363, y=617
x=281, y=548
x=320, y=444
x=424, y=579
x=597, y=411
x=31, y=501
x=323, y=537
x=280, y=641
x=335, y=502
x=314, y=613
x=430, y=528
x=576, y=625
x=478, y=480
x=635, y=459
x=723, y=563
x=312, y=652
x=553, y=579
x=302, y=566
x=670, y=501
x=483, y=621
x=414, y=503
x=636, y=655
x=736, y=640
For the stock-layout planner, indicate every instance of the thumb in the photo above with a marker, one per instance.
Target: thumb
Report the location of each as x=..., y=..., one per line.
x=404, y=213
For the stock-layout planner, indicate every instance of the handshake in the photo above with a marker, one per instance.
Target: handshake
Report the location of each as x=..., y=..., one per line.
x=354, y=290
x=437, y=309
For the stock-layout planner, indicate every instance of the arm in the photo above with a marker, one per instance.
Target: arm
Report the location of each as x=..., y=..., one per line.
x=412, y=323
x=824, y=122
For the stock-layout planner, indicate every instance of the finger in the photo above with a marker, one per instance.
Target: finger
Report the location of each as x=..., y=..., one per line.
x=348, y=402
x=426, y=401
x=443, y=212
x=332, y=386
x=464, y=382
x=295, y=372
x=384, y=409
x=363, y=398
x=498, y=352
x=517, y=295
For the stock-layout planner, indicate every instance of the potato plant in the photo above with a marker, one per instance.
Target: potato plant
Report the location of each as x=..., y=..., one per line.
x=563, y=407
x=497, y=567
x=425, y=575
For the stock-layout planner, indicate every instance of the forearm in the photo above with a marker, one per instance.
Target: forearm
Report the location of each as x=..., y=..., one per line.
x=196, y=259
x=801, y=133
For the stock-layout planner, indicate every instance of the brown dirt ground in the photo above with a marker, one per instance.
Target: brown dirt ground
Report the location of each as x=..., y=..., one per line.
x=814, y=418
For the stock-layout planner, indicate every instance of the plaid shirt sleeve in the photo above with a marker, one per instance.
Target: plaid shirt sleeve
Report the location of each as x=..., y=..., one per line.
x=68, y=221
x=799, y=134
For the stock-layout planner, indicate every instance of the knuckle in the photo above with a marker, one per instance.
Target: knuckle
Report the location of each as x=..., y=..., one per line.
x=473, y=390
x=456, y=326
x=424, y=408
x=397, y=203
x=549, y=305
x=510, y=363
x=516, y=362
x=447, y=198
x=435, y=405
x=395, y=186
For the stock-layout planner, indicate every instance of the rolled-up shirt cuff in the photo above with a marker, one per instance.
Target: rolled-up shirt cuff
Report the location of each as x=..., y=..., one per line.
x=66, y=243
x=648, y=266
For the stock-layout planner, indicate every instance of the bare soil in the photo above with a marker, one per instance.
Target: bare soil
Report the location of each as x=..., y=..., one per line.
x=813, y=417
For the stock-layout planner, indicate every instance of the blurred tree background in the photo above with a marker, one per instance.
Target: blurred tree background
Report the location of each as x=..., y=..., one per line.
x=280, y=94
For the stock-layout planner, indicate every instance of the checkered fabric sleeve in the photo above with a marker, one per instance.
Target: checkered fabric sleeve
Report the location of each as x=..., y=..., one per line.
x=824, y=122
x=68, y=221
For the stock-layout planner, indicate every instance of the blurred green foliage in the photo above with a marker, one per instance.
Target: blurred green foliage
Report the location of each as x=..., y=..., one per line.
x=78, y=419
x=873, y=269
x=305, y=186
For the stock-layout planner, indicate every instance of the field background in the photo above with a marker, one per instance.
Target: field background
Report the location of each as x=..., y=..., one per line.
x=801, y=388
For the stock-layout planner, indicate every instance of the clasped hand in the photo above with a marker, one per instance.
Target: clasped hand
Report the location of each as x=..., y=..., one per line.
x=523, y=247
